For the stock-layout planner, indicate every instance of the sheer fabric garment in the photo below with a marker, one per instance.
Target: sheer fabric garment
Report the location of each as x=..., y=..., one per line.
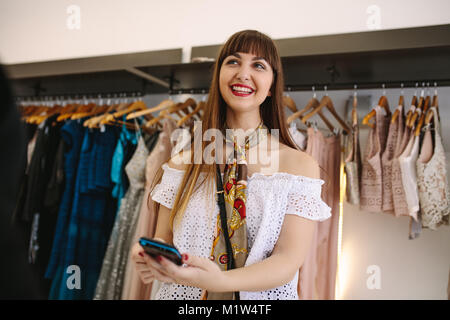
x=133, y=287
x=433, y=183
x=111, y=278
x=353, y=167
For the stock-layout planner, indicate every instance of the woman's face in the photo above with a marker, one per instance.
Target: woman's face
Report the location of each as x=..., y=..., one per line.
x=245, y=81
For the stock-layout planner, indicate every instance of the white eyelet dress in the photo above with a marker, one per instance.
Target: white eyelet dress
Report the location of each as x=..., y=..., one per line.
x=269, y=199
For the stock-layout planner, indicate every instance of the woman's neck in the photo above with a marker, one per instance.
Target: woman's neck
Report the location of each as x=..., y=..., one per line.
x=247, y=121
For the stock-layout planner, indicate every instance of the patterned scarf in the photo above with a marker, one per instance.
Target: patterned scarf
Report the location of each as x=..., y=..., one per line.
x=234, y=186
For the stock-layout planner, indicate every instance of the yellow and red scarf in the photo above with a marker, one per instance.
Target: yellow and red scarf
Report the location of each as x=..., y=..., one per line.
x=235, y=187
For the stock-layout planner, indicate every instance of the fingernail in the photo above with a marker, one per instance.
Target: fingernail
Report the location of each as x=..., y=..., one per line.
x=185, y=256
x=159, y=258
x=141, y=254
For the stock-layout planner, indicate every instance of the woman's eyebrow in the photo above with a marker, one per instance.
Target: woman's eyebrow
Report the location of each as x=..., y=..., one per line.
x=237, y=55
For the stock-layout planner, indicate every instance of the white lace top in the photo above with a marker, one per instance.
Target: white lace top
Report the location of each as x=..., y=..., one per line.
x=269, y=198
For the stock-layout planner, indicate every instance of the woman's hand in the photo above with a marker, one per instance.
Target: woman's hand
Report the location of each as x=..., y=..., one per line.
x=196, y=272
x=144, y=271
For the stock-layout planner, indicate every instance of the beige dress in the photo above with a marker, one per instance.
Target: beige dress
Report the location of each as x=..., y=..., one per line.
x=371, y=178
x=398, y=192
x=317, y=277
x=353, y=167
x=395, y=131
x=134, y=288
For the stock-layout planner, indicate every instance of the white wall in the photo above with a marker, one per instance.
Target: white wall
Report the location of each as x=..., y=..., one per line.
x=32, y=31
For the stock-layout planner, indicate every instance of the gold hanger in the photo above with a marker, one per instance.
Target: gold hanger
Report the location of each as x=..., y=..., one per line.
x=400, y=103
x=163, y=105
x=328, y=103
x=197, y=109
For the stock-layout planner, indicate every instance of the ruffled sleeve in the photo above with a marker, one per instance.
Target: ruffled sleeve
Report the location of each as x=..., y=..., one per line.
x=166, y=191
x=304, y=199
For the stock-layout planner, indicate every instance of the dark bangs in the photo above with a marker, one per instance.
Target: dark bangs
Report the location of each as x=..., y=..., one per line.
x=253, y=42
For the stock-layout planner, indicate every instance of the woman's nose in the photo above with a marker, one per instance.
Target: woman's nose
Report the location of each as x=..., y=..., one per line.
x=243, y=73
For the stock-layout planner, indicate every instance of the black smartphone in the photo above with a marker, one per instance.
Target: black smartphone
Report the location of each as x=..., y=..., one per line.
x=156, y=248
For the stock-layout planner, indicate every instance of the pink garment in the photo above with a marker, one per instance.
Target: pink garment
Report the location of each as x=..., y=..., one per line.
x=134, y=288
x=372, y=177
x=395, y=130
x=317, y=276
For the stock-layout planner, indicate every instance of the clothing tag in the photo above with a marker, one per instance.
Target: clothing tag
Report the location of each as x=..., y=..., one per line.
x=102, y=128
x=382, y=110
x=46, y=130
x=79, y=120
x=41, y=125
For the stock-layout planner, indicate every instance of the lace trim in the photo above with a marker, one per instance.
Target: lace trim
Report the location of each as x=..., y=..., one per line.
x=304, y=196
x=256, y=175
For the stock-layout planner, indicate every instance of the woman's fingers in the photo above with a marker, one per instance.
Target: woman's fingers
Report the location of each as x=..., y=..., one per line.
x=158, y=270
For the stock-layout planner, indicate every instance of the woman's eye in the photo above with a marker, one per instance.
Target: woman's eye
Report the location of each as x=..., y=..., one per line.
x=231, y=61
x=260, y=64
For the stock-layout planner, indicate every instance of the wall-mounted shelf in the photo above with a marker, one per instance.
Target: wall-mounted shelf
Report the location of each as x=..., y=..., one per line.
x=339, y=61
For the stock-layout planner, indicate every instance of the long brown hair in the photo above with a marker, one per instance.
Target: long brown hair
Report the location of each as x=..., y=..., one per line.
x=271, y=110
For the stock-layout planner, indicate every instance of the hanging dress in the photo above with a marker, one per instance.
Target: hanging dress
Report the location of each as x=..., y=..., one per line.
x=372, y=176
x=433, y=184
x=111, y=278
x=398, y=192
x=409, y=178
x=317, y=276
x=134, y=288
x=353, y=167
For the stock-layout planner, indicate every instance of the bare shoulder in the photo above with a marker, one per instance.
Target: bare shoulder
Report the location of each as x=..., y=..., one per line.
x=180, y=160
x=297, y=162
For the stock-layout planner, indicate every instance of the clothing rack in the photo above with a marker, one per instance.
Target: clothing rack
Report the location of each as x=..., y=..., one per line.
x=289, y=88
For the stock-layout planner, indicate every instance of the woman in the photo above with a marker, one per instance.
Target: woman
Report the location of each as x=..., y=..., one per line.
x=271, y=216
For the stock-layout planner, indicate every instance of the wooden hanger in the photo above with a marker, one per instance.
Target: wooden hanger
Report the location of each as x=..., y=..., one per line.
x=171, y=108
x=52, y=111
x=410, y=111
x=312, y=103
x=197, y=109
x=289, y=103
x=35, y=112
x=326, y=102
x=163, y=105
x=95, y=111
x=41, y=113
x=135, y=106
x=397, y=111
x=383, y=102
x=415, y=114
x=166, y=113
x=96, y=121
x=67, y=113
x=430, y=113
x=84, y=109
x=422, y=116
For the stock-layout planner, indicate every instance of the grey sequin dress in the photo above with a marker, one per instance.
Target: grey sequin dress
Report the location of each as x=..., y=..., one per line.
x=110, y=283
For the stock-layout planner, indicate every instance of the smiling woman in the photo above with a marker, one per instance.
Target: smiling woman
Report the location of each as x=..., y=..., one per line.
x=264, y=223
